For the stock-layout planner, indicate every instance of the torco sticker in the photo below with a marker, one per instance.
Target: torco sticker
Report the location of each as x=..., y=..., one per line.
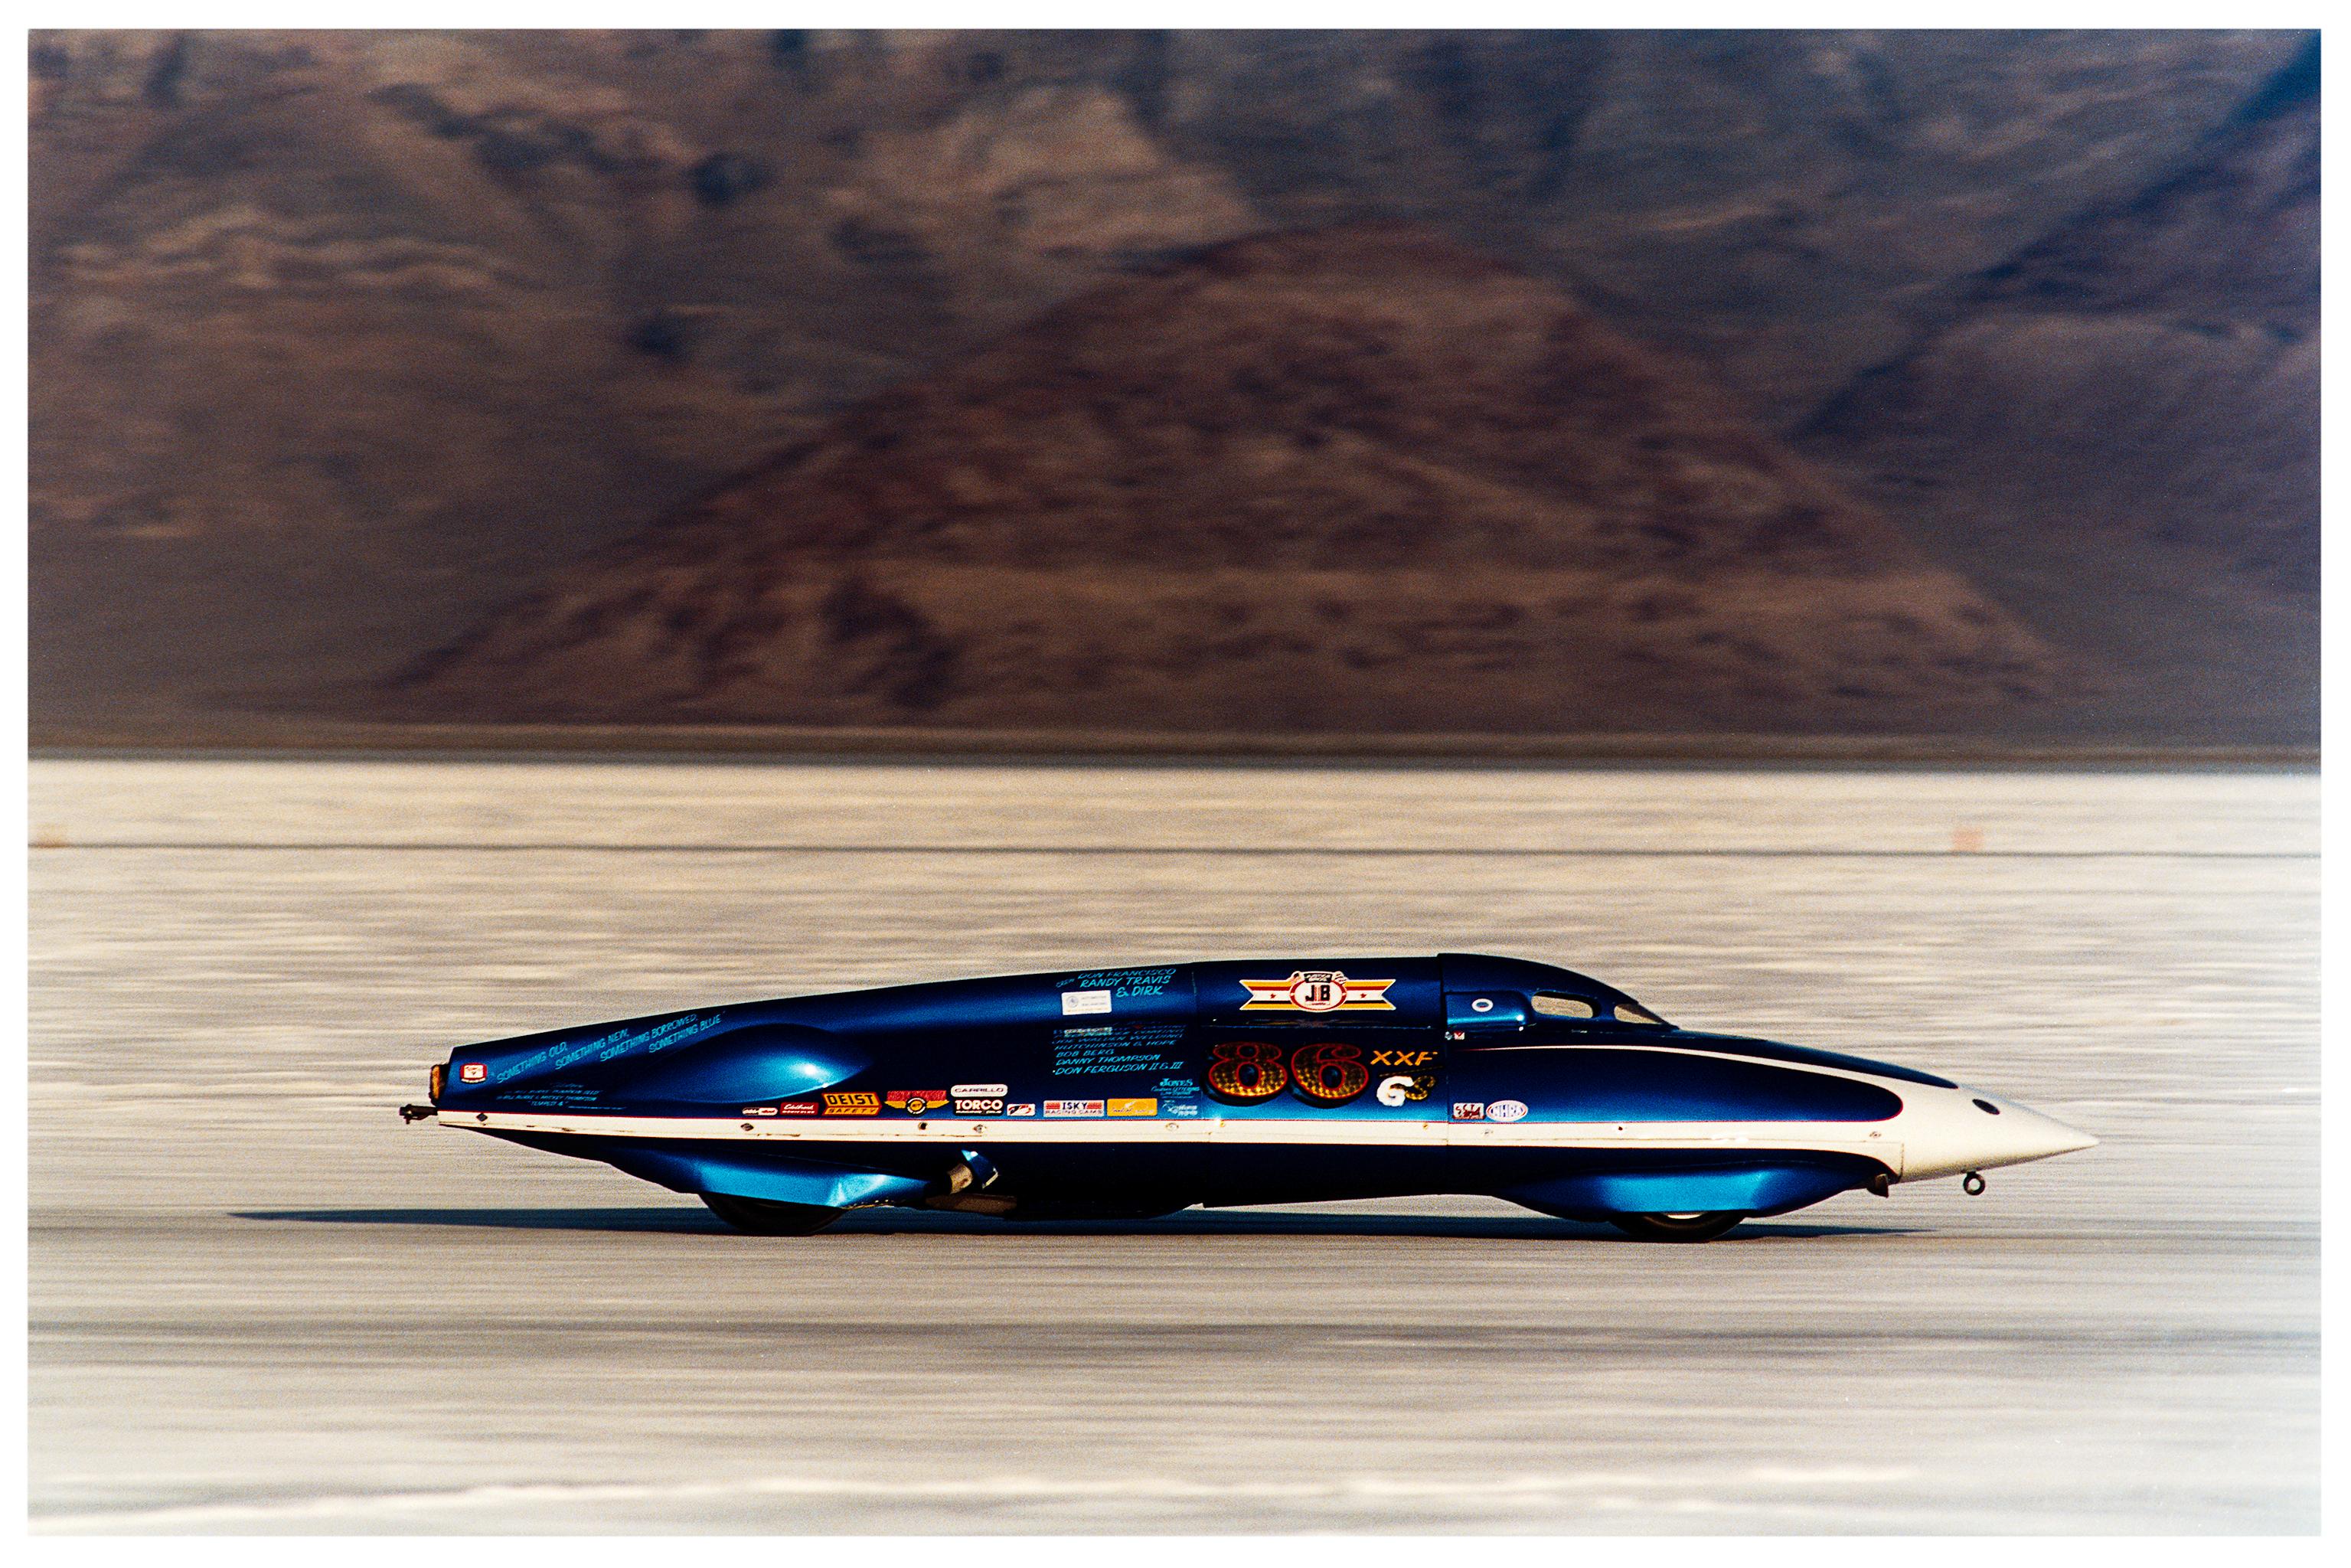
x=1026, y=1108
x=1506, y=1111
x=1468, y=1110
x=1134, y=1107
x=853, y=1104
x=915, y=1102
x=798, y=1107
x=968, y=1107
x=1318, y=991
x=1073, y=1107
x=472, y=1073
x=980, y=1090
x=1076, y=1002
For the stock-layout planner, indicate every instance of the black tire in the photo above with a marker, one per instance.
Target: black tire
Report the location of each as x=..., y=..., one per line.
x=1676, y=1227
x=761, y=1218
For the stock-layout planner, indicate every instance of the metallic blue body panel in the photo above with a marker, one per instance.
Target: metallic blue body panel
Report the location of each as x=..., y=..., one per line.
x=1325, y=1041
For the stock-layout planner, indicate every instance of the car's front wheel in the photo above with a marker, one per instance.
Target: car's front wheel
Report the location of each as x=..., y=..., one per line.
x=762, y=1218
x=1678, y=1226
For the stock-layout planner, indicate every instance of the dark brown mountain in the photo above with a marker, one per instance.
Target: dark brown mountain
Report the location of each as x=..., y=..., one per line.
x=2116, y=433
x=339, y=340
x=1347, y=479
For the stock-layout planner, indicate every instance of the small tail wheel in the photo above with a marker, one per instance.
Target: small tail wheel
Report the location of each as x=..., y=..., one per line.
x=1678, y=1226
x=760, y=1218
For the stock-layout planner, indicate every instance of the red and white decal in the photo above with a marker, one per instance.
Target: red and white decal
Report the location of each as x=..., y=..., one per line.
x=1318, y=991
x=472, y=1073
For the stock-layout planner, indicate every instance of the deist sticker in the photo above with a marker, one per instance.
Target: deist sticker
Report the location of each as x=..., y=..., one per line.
x=980, y=1090
x=1075, y=1003
x=1506, y=1111
x=853, y=1103
x=472, y=1073
x=1073, y=1107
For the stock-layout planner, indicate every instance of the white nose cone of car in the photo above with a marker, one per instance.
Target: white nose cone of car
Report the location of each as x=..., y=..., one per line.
x=1946, y=1131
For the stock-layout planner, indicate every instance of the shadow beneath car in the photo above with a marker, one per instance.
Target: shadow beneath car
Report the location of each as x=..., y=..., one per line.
x=1190, y=1222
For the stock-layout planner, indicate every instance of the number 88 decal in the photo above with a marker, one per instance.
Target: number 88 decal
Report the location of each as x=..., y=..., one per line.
x=1246, y=1071
x=1251, y=1071
x=1330, y=1072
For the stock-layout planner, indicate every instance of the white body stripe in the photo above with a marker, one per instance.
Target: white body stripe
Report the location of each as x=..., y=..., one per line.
x=1840, y=1137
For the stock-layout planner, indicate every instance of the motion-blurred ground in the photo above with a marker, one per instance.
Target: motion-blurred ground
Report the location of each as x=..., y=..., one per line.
x=259, y=1303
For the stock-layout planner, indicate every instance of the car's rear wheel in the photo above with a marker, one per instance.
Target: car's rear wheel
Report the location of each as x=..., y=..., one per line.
x=1678, y=1226
x=761, y=1218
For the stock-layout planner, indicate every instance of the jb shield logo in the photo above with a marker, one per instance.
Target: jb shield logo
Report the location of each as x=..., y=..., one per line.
x=472, y=1073
x=1318, y=991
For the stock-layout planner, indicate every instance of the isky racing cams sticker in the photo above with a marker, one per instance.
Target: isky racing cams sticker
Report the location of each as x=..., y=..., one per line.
x=1318, y=991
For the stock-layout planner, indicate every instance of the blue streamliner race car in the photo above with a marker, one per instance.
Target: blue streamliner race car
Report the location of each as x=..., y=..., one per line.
x=1135, y=1093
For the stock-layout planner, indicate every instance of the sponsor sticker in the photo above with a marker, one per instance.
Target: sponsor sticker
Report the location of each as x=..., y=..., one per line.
x=1073, y=1107
x=798, y=1108
x=849, y=1104
x=758, y=1110
x=915, y=1102
x=980, y=1090
x=1026, y=1108
x=1468, y=1110
x=1183, y=1110
x=1134, y=1107
x=1507, y=1110
x=969, y=1105
x=1076, y=1003
x=1402, y=1057
x=472, y=1073
x=1318, y=991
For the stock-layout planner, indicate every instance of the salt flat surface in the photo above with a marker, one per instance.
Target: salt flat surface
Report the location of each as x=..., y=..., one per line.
x=260, y=1304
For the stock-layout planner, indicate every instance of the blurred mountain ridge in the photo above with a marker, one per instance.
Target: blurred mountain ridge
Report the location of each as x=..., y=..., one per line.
x=340, y=340
x=1349, y=478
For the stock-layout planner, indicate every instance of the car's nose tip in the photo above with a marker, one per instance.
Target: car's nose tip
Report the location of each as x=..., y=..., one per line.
x=2033, y=1134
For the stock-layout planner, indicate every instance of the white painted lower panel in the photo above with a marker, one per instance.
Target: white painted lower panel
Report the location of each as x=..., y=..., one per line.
x=1139, y=1132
